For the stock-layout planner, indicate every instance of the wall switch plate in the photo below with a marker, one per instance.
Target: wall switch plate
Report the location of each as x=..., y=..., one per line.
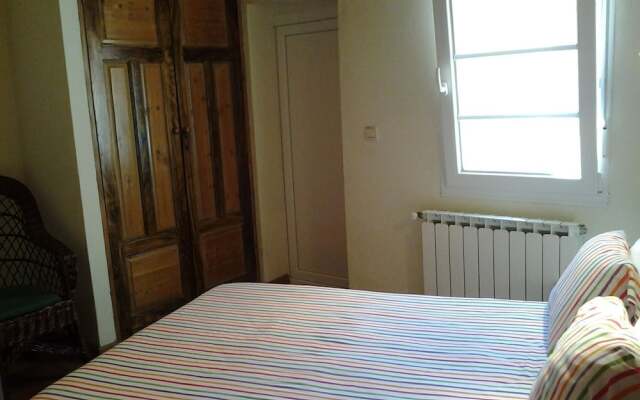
x=370, y=133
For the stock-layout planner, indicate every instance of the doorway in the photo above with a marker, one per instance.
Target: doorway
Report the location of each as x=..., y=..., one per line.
x=309, y=91
x=294, y=97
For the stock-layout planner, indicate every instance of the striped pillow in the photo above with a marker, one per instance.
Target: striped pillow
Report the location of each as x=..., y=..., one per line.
x=598, y=357
x=602, y=267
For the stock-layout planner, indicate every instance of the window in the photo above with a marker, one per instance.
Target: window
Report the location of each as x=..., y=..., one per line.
x=523, y=90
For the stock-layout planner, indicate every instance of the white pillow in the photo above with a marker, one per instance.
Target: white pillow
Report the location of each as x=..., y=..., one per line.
x=635, y=254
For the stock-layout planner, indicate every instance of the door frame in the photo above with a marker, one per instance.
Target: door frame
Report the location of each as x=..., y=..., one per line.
x=282, y=32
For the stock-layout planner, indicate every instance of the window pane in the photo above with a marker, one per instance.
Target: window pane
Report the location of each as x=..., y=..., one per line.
x=481, y=26
x=541, y=146
x=530, y=83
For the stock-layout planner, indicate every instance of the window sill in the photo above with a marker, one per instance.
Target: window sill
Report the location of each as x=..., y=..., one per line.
x=562, y=199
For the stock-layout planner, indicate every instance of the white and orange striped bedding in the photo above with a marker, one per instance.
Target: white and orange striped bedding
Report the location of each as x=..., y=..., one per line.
x=262, y=341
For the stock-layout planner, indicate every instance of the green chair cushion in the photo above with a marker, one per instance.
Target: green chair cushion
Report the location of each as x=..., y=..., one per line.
x=17, y=301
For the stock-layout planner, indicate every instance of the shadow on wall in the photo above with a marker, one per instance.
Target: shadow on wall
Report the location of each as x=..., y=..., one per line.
x=39, y=137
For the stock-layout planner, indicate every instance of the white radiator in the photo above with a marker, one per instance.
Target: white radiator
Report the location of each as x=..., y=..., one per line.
x=470, y=255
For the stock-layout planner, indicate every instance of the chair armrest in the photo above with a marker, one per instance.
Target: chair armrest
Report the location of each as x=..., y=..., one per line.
x=65, y=260
x=57, y=259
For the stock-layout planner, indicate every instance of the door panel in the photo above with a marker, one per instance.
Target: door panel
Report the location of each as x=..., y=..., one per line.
x=155, y=279
x=202, y=160
x=160, y=157
x=130, y=21
x=214, y=172
x=227, y=130
x=312, y=139
x=222, y=255
x=218, y=167
x=204, y=23
x=125, y=144
x=140, y=151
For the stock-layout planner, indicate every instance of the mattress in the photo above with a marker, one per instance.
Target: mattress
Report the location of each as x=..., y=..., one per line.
x=263, y=341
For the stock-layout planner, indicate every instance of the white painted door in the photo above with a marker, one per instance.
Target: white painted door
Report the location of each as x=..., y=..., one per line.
x=312, y=150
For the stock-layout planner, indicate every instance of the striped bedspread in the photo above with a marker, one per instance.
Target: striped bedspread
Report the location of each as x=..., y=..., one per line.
x=262, y=341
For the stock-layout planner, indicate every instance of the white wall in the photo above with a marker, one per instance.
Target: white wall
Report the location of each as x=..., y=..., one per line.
x=261, y=17
x=387, y=61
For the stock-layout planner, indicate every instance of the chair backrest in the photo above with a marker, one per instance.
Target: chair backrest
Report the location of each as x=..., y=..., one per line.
x=22, y=261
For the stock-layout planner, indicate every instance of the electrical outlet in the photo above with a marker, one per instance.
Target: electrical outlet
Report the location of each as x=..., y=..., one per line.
x=371, y=134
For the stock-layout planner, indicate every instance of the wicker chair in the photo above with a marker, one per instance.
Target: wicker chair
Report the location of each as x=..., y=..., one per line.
x=37, y=276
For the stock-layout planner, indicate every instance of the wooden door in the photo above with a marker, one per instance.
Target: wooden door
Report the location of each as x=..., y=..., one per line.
x=139, y=140
x=216, y=152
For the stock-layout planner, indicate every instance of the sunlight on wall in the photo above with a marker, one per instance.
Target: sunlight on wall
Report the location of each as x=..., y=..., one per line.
x=387, y=58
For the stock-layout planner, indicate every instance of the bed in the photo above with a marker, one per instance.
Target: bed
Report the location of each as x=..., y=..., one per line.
x=264, y=341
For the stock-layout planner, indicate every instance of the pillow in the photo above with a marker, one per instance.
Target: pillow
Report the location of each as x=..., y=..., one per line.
x=598, y=357
x=635, y=254
x=602, y=267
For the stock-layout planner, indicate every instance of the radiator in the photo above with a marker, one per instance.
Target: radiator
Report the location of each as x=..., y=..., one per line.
x=472, y=255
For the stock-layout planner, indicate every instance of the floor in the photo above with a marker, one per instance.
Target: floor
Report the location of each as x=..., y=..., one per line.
x=36, y=371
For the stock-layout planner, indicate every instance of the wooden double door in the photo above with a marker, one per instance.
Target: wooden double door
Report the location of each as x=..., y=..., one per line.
x=167, y=93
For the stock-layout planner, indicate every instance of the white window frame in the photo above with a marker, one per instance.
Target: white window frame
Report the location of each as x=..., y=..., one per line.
x=591, y=188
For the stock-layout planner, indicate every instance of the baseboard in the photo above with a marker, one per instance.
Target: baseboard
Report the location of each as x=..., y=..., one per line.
x=284, y=279
x=108, y=347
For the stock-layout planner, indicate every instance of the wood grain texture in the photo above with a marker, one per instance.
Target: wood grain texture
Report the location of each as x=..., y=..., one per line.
x=160, y=158
x=123, y=132
x=202, y=159
x=222, y=254
x=162, y=145
x=130, y=21
x=226, y=127
x=204, y=23
x=140, y=112
x=155, y=278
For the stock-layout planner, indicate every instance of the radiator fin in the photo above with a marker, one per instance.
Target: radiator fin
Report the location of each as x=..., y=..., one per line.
x=486, y=267
x=501, y=263
x=443, y=268
x=517, y=259
x=456, y=261
x=550, y=263
x=471, y=262
x=533, y=267
x=429, y=259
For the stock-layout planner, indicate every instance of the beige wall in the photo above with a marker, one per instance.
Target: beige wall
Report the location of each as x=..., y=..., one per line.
x=46, y=133
x=265, y=125
x=261, y=17
x=387, y=58
x=87, y=176
x=10, y=152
